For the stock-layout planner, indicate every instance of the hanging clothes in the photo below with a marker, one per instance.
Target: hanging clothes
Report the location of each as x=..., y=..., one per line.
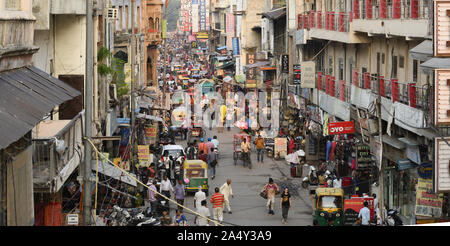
x=328, y=151
x=333, y=148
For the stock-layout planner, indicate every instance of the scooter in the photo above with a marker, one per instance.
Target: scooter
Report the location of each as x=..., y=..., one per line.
x=216, y=150
x=311, y=178
x=393, y=219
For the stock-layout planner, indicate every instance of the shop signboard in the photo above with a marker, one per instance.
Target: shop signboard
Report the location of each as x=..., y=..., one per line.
x=353, y=206
x=308, y=78
x=404, y=164
x=144, y=155
x=150, y=134
x=72, y=219
x=363, y=154
x=442, y=166
x=285, y=63
x=280, y=147
x=428, y=203
x=344, y=127
x=236, y=46
x=425, y=170
x=297, y=74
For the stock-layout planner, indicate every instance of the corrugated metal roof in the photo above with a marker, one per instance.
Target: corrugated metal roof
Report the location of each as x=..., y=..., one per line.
x=26, y=95
x=275, y=13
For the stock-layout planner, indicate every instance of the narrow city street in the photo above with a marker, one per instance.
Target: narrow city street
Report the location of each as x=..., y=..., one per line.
x=248, y=208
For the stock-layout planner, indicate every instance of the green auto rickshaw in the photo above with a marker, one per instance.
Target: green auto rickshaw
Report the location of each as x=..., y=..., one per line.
x=195, y=174
x=328, y=205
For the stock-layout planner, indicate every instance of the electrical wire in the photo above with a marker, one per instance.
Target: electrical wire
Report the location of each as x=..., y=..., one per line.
x=138, y=181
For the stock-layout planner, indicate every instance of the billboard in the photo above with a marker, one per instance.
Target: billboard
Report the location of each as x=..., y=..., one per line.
x=344, y=127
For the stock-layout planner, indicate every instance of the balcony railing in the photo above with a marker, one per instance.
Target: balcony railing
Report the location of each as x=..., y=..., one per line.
x=51, y=158
x=332, y=21
x=398, y=9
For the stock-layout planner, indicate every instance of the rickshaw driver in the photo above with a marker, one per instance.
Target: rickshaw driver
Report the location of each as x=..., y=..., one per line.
x=245, y=146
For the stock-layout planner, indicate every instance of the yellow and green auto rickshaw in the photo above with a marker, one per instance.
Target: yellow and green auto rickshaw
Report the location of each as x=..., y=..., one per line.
x=195, y=174
x=328, y=205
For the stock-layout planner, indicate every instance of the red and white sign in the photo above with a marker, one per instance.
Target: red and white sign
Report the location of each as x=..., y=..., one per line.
x=344, y=127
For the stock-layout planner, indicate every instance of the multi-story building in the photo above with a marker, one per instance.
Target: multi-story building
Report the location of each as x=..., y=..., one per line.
x=29, y=96
x=361, y=51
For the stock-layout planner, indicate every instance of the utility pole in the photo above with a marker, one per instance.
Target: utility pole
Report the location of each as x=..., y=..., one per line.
x=380, y=156
x=165, y=55
x=87, y=198
x=133, y=78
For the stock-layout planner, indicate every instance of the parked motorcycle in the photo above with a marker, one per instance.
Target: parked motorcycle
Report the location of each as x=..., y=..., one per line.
x=393, y=219
x=310, y=178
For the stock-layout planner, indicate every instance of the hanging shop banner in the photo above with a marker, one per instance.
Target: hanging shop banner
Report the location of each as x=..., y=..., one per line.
x=203, y=15
x=363, y=154
x=297, y=74
x=144, y=155
x=285, y=63
x=354, y=205
x=428, y=204
x=230, y=17
x=202, y=35
x=344, y=127
x=308, y=78
x=236, y=46
x=425, y=170
x=280, y=147
x=251, y=73
x=150, y=134
x=164, y=28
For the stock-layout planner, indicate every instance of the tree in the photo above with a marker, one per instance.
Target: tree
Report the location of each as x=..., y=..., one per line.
x=115, y=70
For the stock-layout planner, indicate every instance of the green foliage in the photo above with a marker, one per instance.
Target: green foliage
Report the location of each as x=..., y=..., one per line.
x=115, y=70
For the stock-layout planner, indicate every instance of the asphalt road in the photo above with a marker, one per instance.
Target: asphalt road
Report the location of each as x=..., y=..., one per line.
x=247, y=206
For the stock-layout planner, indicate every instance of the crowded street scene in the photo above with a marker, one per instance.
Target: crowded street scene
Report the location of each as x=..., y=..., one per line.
x=224, y=113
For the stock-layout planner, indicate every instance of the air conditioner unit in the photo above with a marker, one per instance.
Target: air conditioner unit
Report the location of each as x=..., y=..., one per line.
x=112, y=13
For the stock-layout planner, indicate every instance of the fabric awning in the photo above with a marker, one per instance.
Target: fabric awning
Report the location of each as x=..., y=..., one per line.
x=436, y=63
x=423, y=51
x=110, y=170
x=258, y=64
x=275, y=14
x=228, y=64
x=393, y=141
x=26, y=95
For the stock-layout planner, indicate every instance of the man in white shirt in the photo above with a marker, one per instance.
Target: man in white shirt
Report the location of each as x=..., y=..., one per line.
x=166, y=187
x=226, y=191
x=364, y=214
x=204, y=211
x=199, y=197
x=215, y=141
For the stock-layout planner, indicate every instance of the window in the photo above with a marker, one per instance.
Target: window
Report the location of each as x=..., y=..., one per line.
x=415, y=70
x=12, y=4
x=394, y=67
x=378, y=63
x=382, y=58
x=341, y=69
x=401, y=62
x=330, y=65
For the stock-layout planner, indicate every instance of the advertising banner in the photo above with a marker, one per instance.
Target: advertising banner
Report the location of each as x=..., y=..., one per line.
x=144, y=155
x=236, y=46
x=428, y=204
x=344, y=127
x=297, y=74
x=353, y=206
x=164, y=28
x=308, y=78
x=202, y=15
x=280, y=147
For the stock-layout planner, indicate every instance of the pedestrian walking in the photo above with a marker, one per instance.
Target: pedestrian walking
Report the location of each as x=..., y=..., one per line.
x=165, y=187
x=179, y=219
x=203, y=156
x=285, y=204
x=259, y=142
x=180, y=192
x=226, y=191
x=217, y=200
x=212, y=162
x=364, y=215
x=199, y=197
x=203, y=147
x=271, y=189
x=204, y=211
x=151, y=195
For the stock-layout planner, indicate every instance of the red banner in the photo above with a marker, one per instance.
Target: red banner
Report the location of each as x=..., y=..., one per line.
x=355, y=9
x=319, y=20
x=383, y=7
x=412, y=95
x=355, y=204
x=319, y=81
x=395, y=91
x=344, y=127
x=382, y=88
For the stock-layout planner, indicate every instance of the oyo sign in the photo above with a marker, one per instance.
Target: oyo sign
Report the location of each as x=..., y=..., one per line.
x=345, y=127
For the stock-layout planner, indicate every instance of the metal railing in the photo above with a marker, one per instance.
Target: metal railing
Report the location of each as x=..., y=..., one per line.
x=47, y=162
x=403, y=9
x=332, y=21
